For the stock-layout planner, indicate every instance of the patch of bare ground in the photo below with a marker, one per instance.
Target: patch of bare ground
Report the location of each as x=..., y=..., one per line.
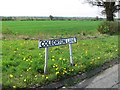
x=24, y=37
x=43, y=36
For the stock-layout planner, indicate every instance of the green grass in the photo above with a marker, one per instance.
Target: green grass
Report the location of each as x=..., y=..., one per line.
x=49, y=27
x=23, y=62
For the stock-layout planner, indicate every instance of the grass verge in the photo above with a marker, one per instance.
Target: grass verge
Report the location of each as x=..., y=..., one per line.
x=23, y=62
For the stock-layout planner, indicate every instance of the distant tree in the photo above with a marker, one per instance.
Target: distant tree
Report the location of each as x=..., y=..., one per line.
x=51, y=17
x=110, y=7
x=97, y=18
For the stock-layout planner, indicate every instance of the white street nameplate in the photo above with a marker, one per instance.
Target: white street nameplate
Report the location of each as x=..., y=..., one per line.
x=56, y=42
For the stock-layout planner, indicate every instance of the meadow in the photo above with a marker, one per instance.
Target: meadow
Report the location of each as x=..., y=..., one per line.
x=23, y=62
x=47, y=29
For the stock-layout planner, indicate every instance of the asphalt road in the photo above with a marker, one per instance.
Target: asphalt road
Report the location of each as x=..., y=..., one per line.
x=105, y=79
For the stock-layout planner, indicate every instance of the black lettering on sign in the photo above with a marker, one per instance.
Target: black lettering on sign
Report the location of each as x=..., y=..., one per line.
x=56, y=42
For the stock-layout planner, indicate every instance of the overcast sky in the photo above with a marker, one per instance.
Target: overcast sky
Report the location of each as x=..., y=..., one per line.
x=69, y=8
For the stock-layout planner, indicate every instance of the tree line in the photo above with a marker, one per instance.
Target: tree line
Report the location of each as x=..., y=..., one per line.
x=51, y=18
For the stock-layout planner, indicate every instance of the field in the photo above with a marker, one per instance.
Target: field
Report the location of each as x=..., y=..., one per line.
x=23, y=62
x=47, y=29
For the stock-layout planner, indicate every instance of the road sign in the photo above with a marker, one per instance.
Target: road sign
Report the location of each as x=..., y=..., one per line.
x=56, y=42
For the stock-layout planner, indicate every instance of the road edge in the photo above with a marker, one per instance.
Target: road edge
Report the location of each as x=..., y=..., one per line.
x=74, y=80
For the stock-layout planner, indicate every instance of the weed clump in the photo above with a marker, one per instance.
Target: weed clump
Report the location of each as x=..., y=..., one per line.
x=109, y=27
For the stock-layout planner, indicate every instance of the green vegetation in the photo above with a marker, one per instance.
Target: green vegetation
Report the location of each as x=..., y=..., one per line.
x=50, y=28
x=23, y=62
x=109, y=27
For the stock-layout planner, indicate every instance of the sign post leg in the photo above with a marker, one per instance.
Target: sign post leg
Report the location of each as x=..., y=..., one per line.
x=46, y=60
x=70, y=48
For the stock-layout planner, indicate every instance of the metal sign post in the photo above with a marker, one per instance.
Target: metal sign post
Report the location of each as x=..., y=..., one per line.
x=46, y=60
x=56, y=42
x=70, y=48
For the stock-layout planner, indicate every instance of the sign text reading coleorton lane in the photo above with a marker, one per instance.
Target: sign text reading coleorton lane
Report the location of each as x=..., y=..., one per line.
x=56, y=42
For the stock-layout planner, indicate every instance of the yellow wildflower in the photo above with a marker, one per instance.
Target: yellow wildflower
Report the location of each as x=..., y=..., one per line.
x=53, y=59
x=111, y=55
x=43, y=75
x=57, y=73
x=24, y=58
x=28, y=58
x=56, y=65
x=60, y=58
x=64, y=68
x=11, y=75
x=98, y=57
x=72, y=70
x=92, y=59
x=56, y=69
x=64, y=59
x=91, y=62
x=53, y=66
x=65, y=71
x=24, y=80
x=14, y=86
x=35, y=75
x=75, y=64
x=46, y=77
x=53, y=56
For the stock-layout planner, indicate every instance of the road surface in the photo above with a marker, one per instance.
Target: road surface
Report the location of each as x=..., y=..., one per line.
x=105, y=79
